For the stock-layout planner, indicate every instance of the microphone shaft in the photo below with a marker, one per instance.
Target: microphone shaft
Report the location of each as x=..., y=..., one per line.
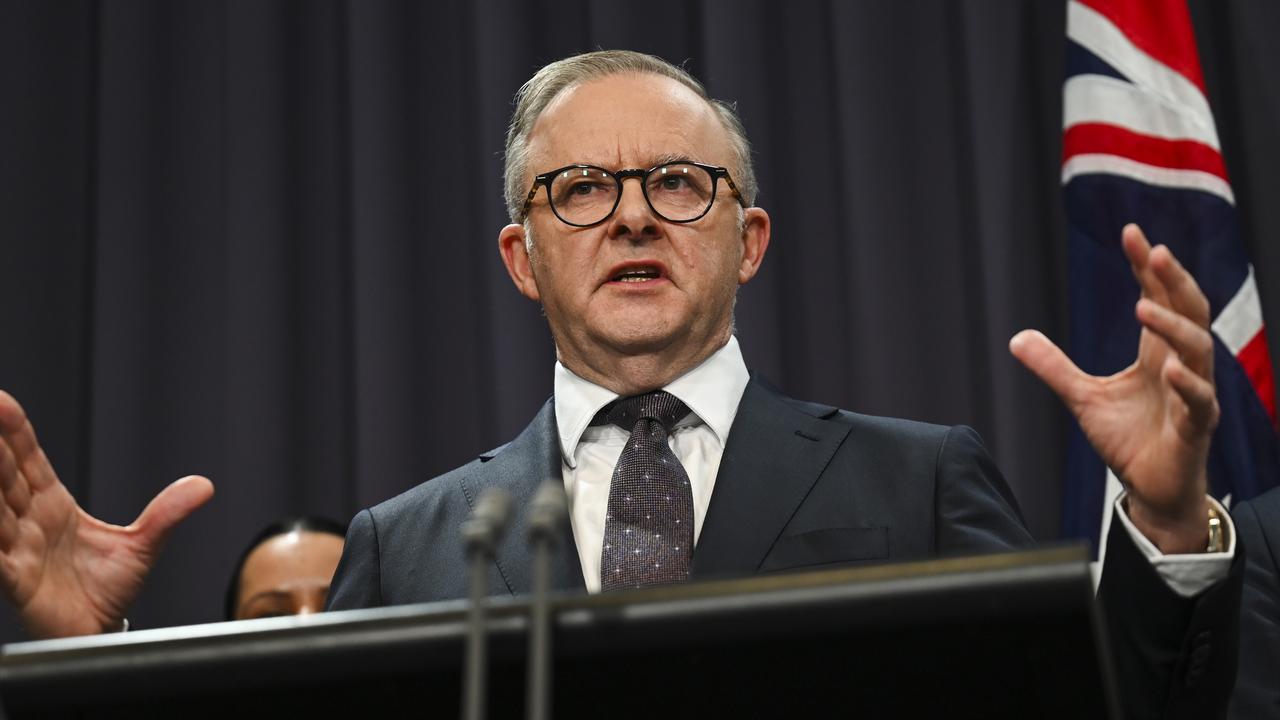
x=538, y=690
x=477, y=663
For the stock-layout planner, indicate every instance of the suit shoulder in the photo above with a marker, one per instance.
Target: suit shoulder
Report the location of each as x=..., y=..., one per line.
x=435, y=492
x=889, y=427
x=897, y=427
x=890, y=430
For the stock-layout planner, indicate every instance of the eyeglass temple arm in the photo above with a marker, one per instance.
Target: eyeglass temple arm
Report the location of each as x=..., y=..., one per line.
x=528, y=200
x=732, y=186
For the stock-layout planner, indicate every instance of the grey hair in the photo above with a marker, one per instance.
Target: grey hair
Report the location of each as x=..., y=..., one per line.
x=547, y=84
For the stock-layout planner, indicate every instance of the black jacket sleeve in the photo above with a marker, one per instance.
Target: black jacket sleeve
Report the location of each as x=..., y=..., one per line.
x=1175, y=657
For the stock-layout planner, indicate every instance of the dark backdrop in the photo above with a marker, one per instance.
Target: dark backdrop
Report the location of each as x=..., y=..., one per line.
x=257, y=240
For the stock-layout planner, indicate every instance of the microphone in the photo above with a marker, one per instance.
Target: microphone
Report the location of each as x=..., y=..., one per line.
x=546, y=516
x=480, y=536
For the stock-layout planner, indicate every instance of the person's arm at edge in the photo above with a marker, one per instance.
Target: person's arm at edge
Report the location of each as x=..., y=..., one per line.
x=1175, y=656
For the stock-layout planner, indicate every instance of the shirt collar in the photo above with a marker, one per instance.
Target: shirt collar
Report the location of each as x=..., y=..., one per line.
x=712, y=391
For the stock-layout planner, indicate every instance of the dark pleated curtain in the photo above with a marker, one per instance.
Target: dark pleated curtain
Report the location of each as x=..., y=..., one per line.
x=257, y=240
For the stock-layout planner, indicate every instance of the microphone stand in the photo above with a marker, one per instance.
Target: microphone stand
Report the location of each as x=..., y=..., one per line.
x=480, y=535
x=546, y=516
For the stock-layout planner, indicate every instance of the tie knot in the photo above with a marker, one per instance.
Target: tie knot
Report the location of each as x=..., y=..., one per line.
x=658, y=405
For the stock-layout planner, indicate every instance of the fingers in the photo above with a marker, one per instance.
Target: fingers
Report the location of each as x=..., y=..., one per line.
x=20, y=436
x=1136, y=245
x=15, y=426
x=1052, y=366
x=12, y=418
x=1191, y=341
x=170, y=507
x=1198, y=394
x=1184, y=293
x=1138, y=250
x=8, y=468
x=13, y=484
x=1162, y=278
x=8, y=528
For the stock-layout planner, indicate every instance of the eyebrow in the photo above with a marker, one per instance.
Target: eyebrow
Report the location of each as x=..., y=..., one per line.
x=281, y=594
x=669, y=158
x=654, y=161
x=267, y=595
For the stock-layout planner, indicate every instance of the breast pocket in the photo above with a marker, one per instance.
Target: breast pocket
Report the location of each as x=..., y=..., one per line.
x=828, y=546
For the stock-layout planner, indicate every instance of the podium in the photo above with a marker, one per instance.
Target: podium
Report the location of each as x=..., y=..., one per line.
x=1011, y=635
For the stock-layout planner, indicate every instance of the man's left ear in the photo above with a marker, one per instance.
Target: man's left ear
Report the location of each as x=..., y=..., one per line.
x=755, y=241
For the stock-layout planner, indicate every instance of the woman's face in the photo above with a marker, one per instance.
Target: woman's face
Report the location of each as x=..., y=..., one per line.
x=288, y=575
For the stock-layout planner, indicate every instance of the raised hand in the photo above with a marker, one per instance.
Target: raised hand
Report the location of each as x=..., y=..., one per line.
x=1151, y=423
x=67, y=572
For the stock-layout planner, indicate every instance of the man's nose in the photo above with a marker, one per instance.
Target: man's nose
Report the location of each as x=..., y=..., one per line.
x=633, y=218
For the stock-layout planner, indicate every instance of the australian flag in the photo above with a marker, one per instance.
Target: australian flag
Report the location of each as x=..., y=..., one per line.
x=1140, y=145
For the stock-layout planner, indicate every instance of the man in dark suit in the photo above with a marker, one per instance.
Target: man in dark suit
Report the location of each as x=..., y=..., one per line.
x=666, y=444
x=638, y=280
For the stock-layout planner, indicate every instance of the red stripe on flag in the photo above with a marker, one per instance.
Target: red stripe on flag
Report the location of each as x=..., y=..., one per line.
x=1255, y=358
x=1089, y=138
x=1160, y=28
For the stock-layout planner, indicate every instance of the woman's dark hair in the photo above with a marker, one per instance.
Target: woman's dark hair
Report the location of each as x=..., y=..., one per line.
x=306, y=523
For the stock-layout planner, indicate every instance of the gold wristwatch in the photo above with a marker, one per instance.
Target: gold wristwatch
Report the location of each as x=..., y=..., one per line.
x=1217, y=532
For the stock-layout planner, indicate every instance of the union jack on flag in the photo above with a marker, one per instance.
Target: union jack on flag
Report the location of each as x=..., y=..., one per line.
x=1140, y=145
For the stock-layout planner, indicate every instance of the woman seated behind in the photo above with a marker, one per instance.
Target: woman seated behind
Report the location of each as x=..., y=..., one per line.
x=286, y=569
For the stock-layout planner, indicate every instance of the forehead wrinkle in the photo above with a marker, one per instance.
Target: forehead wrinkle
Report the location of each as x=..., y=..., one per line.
x=651, y=161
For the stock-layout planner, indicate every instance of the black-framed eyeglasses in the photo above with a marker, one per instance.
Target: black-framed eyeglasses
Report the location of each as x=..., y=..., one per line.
x=586, y=195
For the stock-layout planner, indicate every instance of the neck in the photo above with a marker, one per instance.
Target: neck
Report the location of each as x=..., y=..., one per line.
x=635, y=374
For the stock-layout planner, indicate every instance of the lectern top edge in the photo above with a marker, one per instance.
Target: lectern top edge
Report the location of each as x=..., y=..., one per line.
x=1066, y=561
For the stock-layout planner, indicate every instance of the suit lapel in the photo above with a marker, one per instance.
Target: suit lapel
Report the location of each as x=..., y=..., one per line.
x=519, y=467
x=774, y=455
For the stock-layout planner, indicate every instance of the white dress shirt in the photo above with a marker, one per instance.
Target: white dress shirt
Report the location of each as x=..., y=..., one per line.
x=712, y=392
x=588, y=454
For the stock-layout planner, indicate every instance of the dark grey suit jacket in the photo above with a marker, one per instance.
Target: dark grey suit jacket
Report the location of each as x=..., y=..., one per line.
x=800, y=485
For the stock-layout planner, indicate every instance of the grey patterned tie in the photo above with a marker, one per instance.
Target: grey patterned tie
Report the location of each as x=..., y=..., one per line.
x=648, y=527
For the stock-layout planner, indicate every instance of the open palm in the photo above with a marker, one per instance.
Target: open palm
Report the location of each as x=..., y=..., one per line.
x=1152, y=422
x=67, y=572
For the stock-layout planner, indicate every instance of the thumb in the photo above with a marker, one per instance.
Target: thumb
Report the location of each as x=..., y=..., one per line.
x=170, y=507
x=1051, y=365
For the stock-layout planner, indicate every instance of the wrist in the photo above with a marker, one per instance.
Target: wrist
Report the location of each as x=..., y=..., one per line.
x=115, y=625
x=1183, y=532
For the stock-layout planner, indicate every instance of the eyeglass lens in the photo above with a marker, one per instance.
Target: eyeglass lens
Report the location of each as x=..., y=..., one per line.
x=678, y=192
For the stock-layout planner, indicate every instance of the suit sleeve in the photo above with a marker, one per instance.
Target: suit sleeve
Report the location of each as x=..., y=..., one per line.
x=357, y=583
x=976, y=510
x=1257, y=693
x=1174, y=657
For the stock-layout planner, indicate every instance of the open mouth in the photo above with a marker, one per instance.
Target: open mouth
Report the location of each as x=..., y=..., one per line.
x=637, y=274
